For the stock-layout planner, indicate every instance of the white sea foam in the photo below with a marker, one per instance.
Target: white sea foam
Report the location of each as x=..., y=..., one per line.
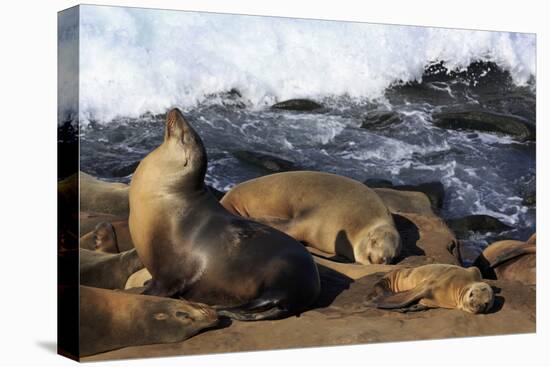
x=138, y=60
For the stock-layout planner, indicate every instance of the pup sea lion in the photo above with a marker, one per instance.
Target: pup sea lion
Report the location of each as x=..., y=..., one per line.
x=111, y=320
x=332, y=213
x=111, y=237
x=509, y=259
x=109, y=271
x=434, y=285
x=194, y=248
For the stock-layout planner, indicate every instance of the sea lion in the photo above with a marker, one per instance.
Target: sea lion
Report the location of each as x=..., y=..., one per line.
x=509, y=259
x=194, y=248
x=332, y=213
x=434, y=285
x=138, y=279
x=111, y=237
x=110, y=271
x=532, y=240
x=102, y=196
x=111, y=320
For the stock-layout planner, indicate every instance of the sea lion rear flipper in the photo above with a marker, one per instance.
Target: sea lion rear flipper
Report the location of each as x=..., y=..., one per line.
x=400, y=300
x=510, y=254
x=258, y=309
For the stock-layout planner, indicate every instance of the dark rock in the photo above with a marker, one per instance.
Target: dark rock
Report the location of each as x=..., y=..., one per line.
x=435, y=191
x=125, y=170
x=380, y=119
x=530, y=199
x=378, y=183
x=266, y=162
x=488, y=122
x=297, y=105
x=217, y=193
x=476, y=223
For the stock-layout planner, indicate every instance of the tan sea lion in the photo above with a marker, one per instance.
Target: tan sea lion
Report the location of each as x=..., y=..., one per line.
x=532, y=240
x=194, y=248
x=102, y=196
x=509, y=259
x=111, y=237
x=138, y=279
x=332, y=213
x=111, y=320
x=110, y=271
x=431, y=286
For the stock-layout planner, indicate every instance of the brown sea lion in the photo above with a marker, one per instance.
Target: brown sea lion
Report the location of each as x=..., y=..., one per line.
x=102, y=196
x=111, y=237
x=532, y=240
x=332, y=213
x=509, y=259
x=111, y=320
x=194, y=248
x=431, y=286
x=110, y=271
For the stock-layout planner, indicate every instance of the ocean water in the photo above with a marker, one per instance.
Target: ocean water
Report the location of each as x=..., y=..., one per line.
x=225, y=72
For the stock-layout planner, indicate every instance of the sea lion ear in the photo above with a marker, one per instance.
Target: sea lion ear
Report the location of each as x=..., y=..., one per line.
x=175, y=124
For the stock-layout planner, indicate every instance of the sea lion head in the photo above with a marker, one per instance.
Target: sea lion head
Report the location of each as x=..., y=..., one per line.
x=477, y=297
x=379, y=246
x=187, y=153
x=105, y=238
x=183, y=320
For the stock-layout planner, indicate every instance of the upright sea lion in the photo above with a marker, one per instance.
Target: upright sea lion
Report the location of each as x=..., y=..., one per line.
x=509, y=259
x=434, y=285
x=332, y=213
x=194, y=248
x=111, y=320
x=109, y=271
x=111, y=237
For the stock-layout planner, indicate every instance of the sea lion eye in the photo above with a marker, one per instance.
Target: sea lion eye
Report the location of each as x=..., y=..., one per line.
x=182, y=315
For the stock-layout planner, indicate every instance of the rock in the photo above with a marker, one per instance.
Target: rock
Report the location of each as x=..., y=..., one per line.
x=376, y=119
x=378, y=183
x=125, y=170
x=435, y=191
x=217, y=193
x=405, y=201
x=297, y=105
x=266, y=162
x=476, y=223
x=340, y=317
x=425, y=235
x=530, y=199
x=488, y=122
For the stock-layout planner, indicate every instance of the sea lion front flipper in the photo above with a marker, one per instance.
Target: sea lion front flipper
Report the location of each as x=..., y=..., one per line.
x=401, y=299
x=510, y=254
x=417, y=307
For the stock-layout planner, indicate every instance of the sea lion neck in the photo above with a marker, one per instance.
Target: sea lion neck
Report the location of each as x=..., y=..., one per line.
x=186, y=167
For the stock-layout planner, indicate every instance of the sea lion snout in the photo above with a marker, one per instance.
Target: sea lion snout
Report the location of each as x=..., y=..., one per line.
x=380, y=247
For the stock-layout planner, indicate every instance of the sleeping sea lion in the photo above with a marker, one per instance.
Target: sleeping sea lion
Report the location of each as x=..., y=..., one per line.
x=110, y=271
x=111, y=237
x=195, y=249
x=431, y=286
x=332, y=213
x=509, y=259
x=111, y=320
